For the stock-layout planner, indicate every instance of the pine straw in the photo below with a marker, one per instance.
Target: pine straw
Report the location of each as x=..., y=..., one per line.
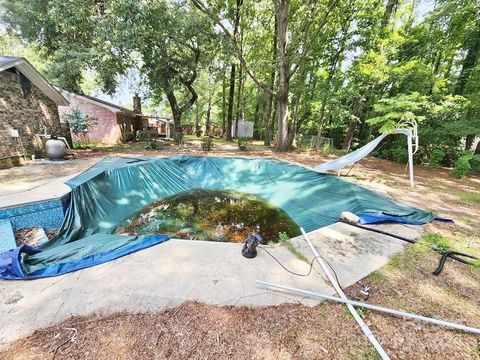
x=289, y=331
x=198, y=331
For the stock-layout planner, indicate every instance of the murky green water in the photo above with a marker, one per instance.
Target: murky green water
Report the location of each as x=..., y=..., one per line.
x=211, y=215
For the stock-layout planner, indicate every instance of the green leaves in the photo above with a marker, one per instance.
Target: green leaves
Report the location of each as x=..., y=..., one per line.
x=79, y=122
x=394, y=111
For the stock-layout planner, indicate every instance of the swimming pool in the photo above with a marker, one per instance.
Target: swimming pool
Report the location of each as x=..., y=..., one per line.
x=116, y=189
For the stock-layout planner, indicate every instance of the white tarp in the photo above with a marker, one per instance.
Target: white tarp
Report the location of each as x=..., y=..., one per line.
x=350, y=158
x=359, y=154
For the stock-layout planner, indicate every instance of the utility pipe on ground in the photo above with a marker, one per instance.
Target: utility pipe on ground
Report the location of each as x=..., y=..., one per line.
x=394, y=312
x=364, y=327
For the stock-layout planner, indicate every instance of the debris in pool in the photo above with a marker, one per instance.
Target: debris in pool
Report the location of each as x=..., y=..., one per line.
x=33, y=236
x=211, y=215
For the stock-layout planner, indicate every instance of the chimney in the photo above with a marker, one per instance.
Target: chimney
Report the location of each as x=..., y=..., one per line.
x=137, y=104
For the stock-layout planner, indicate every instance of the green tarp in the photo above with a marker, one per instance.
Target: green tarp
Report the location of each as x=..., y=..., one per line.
x=111, y=191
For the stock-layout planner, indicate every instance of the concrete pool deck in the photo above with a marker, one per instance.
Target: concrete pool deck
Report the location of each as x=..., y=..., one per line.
x=42, y=182
x=170, y=273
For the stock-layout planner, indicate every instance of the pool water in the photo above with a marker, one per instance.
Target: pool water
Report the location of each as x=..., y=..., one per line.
x=211, y=215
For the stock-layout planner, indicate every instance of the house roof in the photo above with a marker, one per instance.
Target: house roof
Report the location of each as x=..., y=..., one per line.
x=99, y=102
x=24, y=67
x=156, y=118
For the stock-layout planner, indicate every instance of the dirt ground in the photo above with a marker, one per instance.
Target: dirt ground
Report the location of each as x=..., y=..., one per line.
x=327, y=331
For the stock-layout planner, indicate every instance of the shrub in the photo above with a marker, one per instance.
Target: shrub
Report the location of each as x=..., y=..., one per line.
x=462, y=167
x=475, y=164
x=243, y=143
x=400, y=155
x=150, y=145
x=128, y=136
x=145, y=135
x=80, y=123
x=436, y=157
x=326, y=146
x=207, y=144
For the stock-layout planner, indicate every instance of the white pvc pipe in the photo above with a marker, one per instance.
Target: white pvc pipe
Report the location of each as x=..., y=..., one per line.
x=364, y=327
x=399, y=313
x=410, y=160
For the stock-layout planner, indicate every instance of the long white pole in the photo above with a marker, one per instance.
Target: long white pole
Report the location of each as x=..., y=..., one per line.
x=410, y=160
x=399, y=313
x=364, y=327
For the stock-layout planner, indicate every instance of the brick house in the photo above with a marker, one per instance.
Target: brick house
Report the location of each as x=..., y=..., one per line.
x=114, y=123
x=28, y=109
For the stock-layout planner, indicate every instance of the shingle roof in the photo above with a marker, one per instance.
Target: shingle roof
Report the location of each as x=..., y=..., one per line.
x=105, y=104
x=6, y=60
x=121, y=108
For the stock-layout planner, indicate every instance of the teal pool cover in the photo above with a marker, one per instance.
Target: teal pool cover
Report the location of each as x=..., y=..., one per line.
x=115, y=188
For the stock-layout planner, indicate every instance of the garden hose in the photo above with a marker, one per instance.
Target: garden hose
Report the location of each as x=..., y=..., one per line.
x=454, y=255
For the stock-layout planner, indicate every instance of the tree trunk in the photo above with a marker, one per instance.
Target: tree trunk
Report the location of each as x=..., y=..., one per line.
x=322, y=117
x=269, y=118
x=347, y=142
x=391, y=4
x=357, y=109
x=274, y=116
x=293, y=127
x=197, y=121
x=469, y=142
x=238, y=111
x=177, y=118
x=296, y=105
x=231, y=95
x=224, y=102
x=334, y=65
x=231, y=99
x=281, y=11
x=207, y=120
x=255, y=114
x=268, y=112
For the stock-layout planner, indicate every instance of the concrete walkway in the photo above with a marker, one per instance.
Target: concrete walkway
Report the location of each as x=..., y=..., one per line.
x=39, y=181
x=170, y=273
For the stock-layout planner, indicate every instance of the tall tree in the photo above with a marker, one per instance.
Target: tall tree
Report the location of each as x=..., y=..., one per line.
x=288, y=57
x=167, y=41
x=231, y=96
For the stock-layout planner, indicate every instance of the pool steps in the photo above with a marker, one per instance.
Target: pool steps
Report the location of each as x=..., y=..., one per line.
x=7, y=236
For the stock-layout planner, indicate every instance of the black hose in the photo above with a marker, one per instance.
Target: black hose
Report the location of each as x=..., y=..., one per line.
x=311, y=266
x=448, y=254
x=378, y=231
x=461, y=260
x=453, y=255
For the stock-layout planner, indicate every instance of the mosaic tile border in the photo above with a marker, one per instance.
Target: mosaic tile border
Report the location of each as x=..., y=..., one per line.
x=47, y=214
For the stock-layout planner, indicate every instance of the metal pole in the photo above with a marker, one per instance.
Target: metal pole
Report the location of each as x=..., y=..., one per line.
x=394, y=312
x=366, y=330
x=410, y=159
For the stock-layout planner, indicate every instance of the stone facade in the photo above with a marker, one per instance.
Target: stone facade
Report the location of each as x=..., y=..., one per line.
x=25, y=108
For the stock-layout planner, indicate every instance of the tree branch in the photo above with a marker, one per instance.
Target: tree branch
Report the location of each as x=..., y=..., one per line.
x=306, y=50
x=203, y=8
x=189, y=83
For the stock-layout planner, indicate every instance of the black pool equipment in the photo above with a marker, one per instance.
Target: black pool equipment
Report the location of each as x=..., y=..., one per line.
x=249, y=249
x=453, y=255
